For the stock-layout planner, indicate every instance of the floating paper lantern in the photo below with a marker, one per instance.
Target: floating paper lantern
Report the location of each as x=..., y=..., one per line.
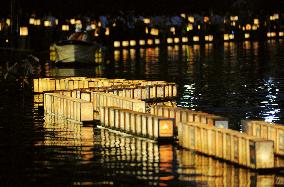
x=32, y=21
x=24, y=31
x=65, y=27
x=116, y=44
x=184, y=39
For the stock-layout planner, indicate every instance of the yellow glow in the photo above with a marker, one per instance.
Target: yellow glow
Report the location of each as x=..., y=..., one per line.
x=247, y=35
x=176, y=40
x=154, y=32
x=157, y=41
x=173, y=30
x=47, y=23
x=184, y=39
x=191, y=19
x=107, y=31
x=169, y=40
x=209, y=38
x=271, y=18
x=146, y=30
x=231, y=36
x=234, y=18
x=56, y=22
x=226, y=37
x=166, y=128
x=65, y=27
x=254, y=27
x=73, y=21
x=93, y=26
x=189, y=27
x=78, y=22
x=206, y=19
x=6, y=40
x=141, y=42
x=8, y=22
x=233, y=23
x=256, y=21
x=248, y=27
x=147, y=20
x=24, y=31
x=99, y=24
x=276, y=16
x=132, y=43
x=150, y=42
x=37, y=22
x=195, y=38
x=281, y=34
x=198, y=27
x=116, y=44
x=32, y=21
x=125, y=43
x=183, y=15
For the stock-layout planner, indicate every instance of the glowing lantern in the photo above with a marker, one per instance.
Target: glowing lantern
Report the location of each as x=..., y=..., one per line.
x=47, y=23
x=176, y=40
x=184, y=39
x=116, y=44
x=72, y=21
x=248, y=27
x=147, y=20
x=141, y=42
x=125, y=43
x=233, y=23
x=24, y=31
x=146, y=30
x=209, y=38
x=93, y=26
x=226, y=37
x=166, y=128
x=132, y=42
x=195, y=38
x=78, y=22
x=234, y=18
x=189, y=27
x=247, y=35
x=254, y=27
x=107, y=31
x=169, y=40
x=56, y=21
x=271, y=18
x=154, y=32
x=37, y=22
x=183, y=15
x=191, y=19
x=276, y=16
x=157, y=41
x=256, y=21
x=173, y=30
x=150, y=42
x=206, y=19
x=198, y=27
x=65, y=27
x=32, y=21
x=231, y=36
x=8, y=22
x=281, y=34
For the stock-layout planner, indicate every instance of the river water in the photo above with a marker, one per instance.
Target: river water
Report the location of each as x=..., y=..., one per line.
x=235, y=80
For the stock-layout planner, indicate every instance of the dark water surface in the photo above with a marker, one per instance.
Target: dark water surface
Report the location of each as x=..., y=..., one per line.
x=238, y=81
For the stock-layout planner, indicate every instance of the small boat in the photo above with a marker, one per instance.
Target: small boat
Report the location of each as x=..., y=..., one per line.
x=73, y=52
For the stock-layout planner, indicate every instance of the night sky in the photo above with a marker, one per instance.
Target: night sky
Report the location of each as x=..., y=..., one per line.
x=97, y=7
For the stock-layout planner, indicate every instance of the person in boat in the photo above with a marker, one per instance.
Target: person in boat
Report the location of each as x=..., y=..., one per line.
x=78, y=34
x=86, y=36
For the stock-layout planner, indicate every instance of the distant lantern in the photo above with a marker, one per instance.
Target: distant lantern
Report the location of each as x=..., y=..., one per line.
x=72, y=21
x=141, y=42
x=147, y=20
x=107, y=31
x=189, y=27
x=116, y=44
x=248, y=27
x=132, y=43
x=47, y=23
x=231, y=36
x=247, y=35
x=32, y=21
x=281, y=34
x=56, y=21
x=256, y=21
x=125, y=43
x=176, y=40
x=191, y=19
x=154, y=32
x=234, y=18
x=254, y=27
x=24, y=31
x=78, y=22
x=65, y=27
x=199, y=27
x=276, y=16
x=146, y=30
x=226, y=37
x=209, y=38
x=184, y=39
x=196, y=38
x=169, y=40
x=206, y=19
x=271, y=18
x=157, y=41
x=233, y=23
x=99, y=24
x=37, y=22
x=150, y=42
x=93, y=26
x=183, y=15
x=8, y=22
x=173, y=30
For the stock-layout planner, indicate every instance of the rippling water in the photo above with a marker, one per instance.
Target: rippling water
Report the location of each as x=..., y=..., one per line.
x=238, y=81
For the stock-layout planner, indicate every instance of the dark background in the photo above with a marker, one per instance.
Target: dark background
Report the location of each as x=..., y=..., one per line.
x=150, y=7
